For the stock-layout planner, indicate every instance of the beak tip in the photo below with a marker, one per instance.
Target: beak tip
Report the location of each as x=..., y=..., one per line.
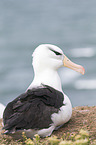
x=83, y=71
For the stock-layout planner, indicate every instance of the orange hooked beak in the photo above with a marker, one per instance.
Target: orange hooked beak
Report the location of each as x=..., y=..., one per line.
x=68, y=63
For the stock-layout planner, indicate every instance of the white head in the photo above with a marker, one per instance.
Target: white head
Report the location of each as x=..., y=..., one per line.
x=47, y=56
x=47, y=59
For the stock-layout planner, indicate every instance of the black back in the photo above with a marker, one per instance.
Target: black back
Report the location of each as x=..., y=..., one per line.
x=32, y=109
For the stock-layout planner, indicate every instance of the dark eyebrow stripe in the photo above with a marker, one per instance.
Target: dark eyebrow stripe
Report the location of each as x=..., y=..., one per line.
x=57, y=53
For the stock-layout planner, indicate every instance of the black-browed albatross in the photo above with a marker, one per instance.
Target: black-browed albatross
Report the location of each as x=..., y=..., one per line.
x=44, y=106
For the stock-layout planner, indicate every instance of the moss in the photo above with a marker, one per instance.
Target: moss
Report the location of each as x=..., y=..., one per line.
x=81, y=142
x=78, y=139
x=53, y=140
x=66, y=142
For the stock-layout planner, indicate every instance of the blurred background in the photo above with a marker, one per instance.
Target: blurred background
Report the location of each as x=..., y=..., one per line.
x=69, y=24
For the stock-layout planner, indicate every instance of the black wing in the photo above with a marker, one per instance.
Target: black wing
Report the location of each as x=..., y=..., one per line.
x=32, y=109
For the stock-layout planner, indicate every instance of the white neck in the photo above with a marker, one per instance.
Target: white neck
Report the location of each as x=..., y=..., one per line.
x=48, y=77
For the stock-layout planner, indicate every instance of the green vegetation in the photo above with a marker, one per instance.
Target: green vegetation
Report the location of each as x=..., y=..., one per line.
x=82, y=138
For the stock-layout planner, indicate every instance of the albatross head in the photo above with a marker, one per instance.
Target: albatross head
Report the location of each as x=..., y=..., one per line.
x=47, y=59
x=47, y=56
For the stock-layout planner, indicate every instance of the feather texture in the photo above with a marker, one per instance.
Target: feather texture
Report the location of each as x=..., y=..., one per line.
x=32, y=109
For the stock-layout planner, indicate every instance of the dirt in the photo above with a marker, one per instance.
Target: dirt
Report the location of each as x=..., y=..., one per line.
x=82, y=118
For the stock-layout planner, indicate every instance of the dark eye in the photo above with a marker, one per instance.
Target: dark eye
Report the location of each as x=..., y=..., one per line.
x=57, y=53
